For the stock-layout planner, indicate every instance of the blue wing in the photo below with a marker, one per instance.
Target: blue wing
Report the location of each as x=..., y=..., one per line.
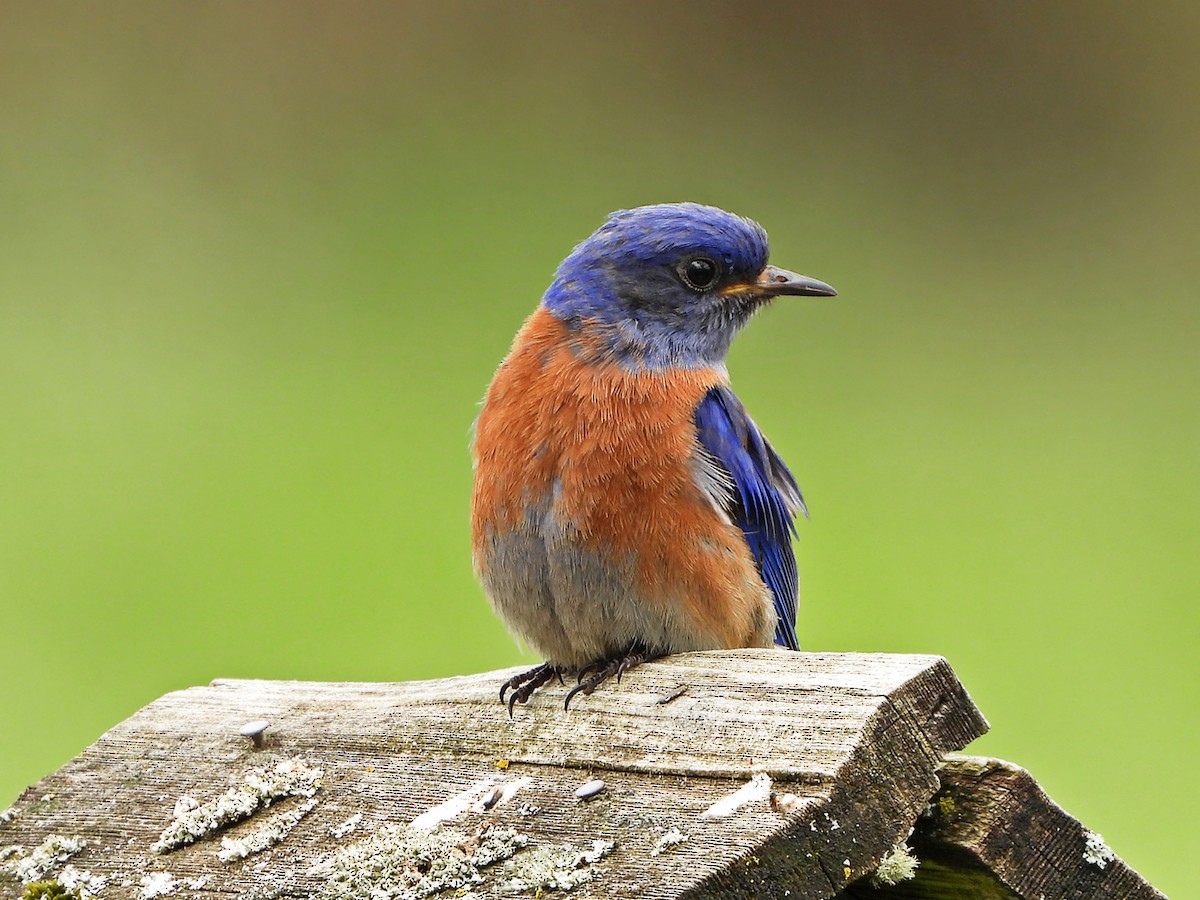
x=760, y=496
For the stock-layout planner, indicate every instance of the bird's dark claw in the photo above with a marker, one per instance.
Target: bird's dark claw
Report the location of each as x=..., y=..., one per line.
x=523, y=685
x=603, y=669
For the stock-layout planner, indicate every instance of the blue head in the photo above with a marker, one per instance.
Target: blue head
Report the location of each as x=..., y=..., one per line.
x=669, y=285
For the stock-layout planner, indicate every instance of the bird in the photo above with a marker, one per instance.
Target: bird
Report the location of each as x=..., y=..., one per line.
x=625, y=506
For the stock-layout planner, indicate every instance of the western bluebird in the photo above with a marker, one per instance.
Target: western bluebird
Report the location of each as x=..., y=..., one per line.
x=625, y=505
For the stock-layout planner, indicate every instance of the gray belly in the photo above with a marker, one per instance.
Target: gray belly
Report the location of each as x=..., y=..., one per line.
x=573, y=604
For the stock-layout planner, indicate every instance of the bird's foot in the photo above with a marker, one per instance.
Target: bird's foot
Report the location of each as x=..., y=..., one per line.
x=596, y=673
x=523, y=685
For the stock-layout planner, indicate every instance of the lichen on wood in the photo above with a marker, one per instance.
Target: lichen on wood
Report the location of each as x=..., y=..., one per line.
x=822, y=764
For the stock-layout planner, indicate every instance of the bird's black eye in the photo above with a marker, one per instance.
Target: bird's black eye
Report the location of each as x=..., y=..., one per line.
x=700, y=273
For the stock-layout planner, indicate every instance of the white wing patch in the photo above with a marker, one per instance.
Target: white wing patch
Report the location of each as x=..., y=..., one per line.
x=715, y=483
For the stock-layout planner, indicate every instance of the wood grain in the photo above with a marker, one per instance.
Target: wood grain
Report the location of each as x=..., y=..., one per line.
x=852, y=743
x=991, y=832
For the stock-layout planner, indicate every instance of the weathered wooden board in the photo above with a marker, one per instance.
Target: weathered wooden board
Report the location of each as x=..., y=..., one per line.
x=851, y=742
x=991, y=832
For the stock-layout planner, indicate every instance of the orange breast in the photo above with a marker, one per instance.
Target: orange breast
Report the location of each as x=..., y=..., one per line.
x=611, y=453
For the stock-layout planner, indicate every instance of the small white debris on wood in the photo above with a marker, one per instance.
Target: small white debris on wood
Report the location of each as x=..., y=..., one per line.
x=589, y=789
x=398, y=862
x=258, y=790
x=8, y=815
x=669, y=839
x=554, y=867
x=674, y=695
x=268, y=834
x=254, y=730
x=786, y=804
x=490, y=799
x=42, y=860
x=1095, y=851
x=351, y=824
x=899, y=865
x=454, y=807
x=157, y=884
x=758, y=788
x=501, y=794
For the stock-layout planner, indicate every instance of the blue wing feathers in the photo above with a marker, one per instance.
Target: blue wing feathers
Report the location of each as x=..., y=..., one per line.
x=764, y=500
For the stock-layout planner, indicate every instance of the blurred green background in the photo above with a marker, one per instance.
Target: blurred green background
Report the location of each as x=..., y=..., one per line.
x=258, y=262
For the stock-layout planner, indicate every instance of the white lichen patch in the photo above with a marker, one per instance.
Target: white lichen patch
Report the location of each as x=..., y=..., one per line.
x=157, y=884
x=626, y=819
x=44, y=859
x=899, y=865
x=8, y=815
x=83, y=881
x=258, y=790
x=1095, y=851
x=758, y=788
x=398, y=863
x=555, y=867
x=268, y=834
x=672, y=838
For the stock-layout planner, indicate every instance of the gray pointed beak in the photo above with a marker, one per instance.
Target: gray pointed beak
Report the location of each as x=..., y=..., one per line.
x=773, y=281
